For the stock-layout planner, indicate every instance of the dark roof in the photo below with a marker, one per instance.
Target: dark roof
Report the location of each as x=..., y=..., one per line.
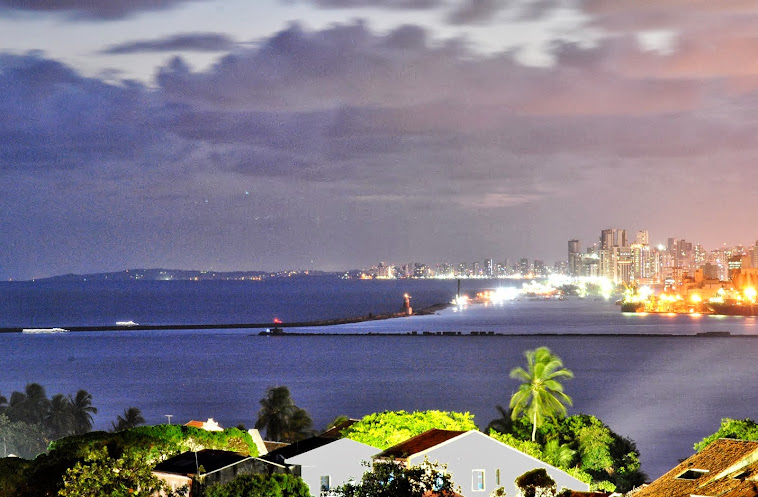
x=211, y=460
x=727, y=467
x=419, y=443
x=296, y=448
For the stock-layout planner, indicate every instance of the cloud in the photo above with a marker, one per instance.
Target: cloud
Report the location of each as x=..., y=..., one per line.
x=51, y=117
x=102, y=9
x=386, y=4
x=191, y=42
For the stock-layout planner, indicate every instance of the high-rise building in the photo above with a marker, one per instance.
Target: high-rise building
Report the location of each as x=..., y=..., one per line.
x=488, y=268
x=574, y=258
x=612, y=240
x=523, y=266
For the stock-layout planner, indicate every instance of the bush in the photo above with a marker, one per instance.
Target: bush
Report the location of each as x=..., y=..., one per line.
x=385, y=429
x=741, y=429
x=277, y=485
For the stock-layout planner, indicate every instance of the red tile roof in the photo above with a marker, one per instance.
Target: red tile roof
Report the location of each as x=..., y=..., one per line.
x=419, y=443
x=726, y=468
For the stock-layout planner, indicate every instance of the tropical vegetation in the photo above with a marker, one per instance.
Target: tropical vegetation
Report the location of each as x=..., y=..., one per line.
x=131, y=419
x=282, y=419
x=136, y=448
x=128, y=475
x=741, y=429
x=389, y=479
x=388, y=428
x=276, y=485
x=540, y=394
x=29, y=420
x=584, y=447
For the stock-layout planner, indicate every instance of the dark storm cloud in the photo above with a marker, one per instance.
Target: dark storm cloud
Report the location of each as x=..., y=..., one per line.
x=51, y=117
x=190, y=42
x=85, y=9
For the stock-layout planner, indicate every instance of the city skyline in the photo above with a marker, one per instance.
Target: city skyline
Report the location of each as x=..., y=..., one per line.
x=320, y=134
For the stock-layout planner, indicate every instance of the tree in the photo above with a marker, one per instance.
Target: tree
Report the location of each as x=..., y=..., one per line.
x=281, y=418
x=83, y=410
x=101, y=475
x=503, y=424
x=541, y=394
x=385, y=429
x=389, y=479
x=59, y=418
x=132, y=417
x=536, y=483
x=276, y=485
x=741, y=429
x=21, y=439
x=29, y=406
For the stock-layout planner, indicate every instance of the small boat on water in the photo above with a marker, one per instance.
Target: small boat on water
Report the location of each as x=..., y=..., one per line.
x=44, y=330
x=126, y=323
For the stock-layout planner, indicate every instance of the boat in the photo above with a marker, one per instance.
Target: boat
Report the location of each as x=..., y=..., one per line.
x=126, y=323
x=44, y=330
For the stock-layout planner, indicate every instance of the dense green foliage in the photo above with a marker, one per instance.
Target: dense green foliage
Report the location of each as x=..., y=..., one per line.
x=282, y=419
x=29, y=420
x=385, y=429
x=44, y=475
x=103, y=476
x=540, y=394
x=393, y=480
x=276, y=485
x=536, y=483
x=741, y=429
x=582, y=446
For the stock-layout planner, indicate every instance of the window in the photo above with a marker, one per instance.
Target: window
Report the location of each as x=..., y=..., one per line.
x=477, y=480
x=325, y=483
x=692, y=474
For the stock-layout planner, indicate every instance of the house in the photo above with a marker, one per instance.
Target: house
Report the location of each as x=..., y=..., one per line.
x=325, y=462
x=725, y=468
x=477, y=463
x=209, y=425
x=198, y=470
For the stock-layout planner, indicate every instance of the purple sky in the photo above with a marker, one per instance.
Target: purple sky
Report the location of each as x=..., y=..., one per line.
x=334, y=134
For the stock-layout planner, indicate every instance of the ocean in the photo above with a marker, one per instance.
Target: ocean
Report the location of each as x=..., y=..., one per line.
x=650, y=378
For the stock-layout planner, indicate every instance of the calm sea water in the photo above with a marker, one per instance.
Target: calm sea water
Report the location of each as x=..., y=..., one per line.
x=664, y=392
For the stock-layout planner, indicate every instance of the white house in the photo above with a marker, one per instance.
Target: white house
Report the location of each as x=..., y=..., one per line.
x=477, y=463
x=326, y=463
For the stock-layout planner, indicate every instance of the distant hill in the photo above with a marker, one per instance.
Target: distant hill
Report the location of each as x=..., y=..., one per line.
x=185, y=275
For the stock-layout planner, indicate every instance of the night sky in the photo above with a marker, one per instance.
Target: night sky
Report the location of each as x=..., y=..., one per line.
x=334, y=134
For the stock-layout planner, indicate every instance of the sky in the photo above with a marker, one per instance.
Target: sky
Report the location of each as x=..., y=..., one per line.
x=335, y=134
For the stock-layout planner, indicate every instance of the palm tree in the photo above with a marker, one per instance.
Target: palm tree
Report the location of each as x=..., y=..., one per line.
x=283, y=420
x=503, y=424
x=83, y=410
x=59, y=419
x=132, y=417
x=276, y=410
x=558, y=455
x=29, y=406
x=540, y=394
x=299, y=426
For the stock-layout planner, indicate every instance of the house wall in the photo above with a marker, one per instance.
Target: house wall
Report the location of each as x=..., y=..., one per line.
x=477, y=451
x=341, y=460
